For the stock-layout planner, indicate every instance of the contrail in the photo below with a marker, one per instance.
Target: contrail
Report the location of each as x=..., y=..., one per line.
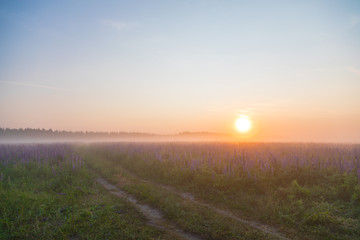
x=34, y=85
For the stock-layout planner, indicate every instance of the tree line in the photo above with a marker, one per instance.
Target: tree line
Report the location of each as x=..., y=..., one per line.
x=49, y=133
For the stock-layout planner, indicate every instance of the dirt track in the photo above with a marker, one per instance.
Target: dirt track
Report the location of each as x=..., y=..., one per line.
x=154, y=216
x=187, y=196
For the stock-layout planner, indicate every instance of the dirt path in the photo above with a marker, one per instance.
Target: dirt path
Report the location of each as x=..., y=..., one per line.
x=264, y=228
x=187, y=196
x=154, y=216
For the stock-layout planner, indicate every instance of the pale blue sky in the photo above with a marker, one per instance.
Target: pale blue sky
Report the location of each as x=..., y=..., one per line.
x=170, y=66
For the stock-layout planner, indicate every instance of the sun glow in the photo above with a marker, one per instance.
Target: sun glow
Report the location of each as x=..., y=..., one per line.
x=243, y=124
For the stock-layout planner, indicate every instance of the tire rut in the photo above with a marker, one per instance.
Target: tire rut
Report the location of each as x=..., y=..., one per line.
x=153, y=215
x=189, y=197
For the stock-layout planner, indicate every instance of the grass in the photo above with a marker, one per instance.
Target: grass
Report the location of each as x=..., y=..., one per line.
x=57, y=197
x=45, y=202
x=303, y=203
x=192, y=218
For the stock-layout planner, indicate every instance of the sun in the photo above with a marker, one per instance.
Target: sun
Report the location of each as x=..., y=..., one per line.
x=243, y=124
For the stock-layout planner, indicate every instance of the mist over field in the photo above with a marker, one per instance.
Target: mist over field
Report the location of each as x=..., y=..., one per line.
x=173, y=120
x=290, y=68
x=43, y=136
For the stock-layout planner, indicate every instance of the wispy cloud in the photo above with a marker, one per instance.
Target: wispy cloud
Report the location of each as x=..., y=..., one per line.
x=254, y=109
x=263, y=105
x=119, y=25
x=35, y=27
x=354, y=71
x=245, y=112
x=355, y=20
x=34, y=85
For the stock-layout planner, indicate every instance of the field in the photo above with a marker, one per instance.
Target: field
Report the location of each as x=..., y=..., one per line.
x=180, y=191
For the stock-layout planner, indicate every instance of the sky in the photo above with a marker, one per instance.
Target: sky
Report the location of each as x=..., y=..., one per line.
x=292, y=67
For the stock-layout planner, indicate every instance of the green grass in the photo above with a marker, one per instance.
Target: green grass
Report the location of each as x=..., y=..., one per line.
x=36, y=204
x=304, y=204
x=49, y=200
x=192, y=218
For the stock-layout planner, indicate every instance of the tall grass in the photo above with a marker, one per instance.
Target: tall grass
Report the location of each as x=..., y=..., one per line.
x=46, y=192
x=312, y=188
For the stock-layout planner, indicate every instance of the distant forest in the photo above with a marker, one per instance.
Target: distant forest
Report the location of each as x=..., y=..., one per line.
x=25, y=133
x=32, y=134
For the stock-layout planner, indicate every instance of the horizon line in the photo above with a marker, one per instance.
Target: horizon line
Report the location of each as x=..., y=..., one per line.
x=119, y=131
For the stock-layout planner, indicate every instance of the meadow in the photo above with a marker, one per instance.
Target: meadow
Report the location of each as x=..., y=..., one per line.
x=46, y=192
x=207, y=190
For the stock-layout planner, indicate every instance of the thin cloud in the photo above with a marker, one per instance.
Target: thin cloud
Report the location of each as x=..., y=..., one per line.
x=119, y=25
x=354, y=71
x=263, y=104
x=355, y=21
x=34, y=85
x=17, y=20
x=254, y=109
x=244, y=112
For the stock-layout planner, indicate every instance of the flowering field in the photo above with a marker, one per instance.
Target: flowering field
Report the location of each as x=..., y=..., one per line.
x=310, y=191
x=252, y=159
x=46, y=192
x=303, y=191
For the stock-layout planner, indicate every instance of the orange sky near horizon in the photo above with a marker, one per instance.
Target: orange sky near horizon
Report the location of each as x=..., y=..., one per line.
x=292, y=67
x=269, y=123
